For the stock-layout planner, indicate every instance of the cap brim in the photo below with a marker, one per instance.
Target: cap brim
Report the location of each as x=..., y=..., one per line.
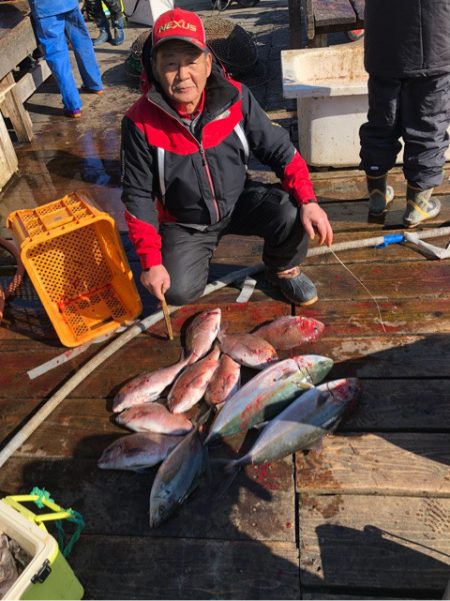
x=194, y=42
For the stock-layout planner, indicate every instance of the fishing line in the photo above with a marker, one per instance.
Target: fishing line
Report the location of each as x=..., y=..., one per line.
x=363, y=285
x=376, y=530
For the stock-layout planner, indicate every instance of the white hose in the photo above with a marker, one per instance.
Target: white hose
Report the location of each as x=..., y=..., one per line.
x=140, y=326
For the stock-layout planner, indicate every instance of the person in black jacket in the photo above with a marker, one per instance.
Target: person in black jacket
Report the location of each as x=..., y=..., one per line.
x=407, y=57
x=185, y=147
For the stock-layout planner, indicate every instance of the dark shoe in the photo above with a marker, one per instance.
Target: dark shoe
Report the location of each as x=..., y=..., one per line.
x=75, y=114
x=380, y=195
x=103, y=37
x=420, y=206
x=118, y=36
x=298, y=289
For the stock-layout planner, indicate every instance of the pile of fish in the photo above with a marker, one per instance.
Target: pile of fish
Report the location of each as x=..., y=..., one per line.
x=284, y=398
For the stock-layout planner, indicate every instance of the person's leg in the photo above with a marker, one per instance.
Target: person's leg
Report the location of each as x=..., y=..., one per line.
x=83, y=50
x=117, y=20
x=186, y=255
x=102, y=23
x=270, y=213
x=51, y=35
x=379, y=138
x=425, y=120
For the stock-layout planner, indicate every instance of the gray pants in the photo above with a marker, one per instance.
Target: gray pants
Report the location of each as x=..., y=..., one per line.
x=261, y=210
x=416, y=109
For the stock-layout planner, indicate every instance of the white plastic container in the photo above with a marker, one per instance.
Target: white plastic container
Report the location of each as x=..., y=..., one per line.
x=146, y=11
x=330, y=85
x=48, y=575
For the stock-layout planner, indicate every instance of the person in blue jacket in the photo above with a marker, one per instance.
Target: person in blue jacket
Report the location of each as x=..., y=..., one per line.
x=54, y=20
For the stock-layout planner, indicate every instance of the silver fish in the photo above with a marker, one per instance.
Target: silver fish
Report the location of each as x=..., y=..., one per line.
x=137, y=451
x=202, y=332
x=258, y=403
x=248, y=349
x=176, y=478
x=224, y=382
x=154, y=417
x=190, y=386
x=147, y=386
x=304, y=422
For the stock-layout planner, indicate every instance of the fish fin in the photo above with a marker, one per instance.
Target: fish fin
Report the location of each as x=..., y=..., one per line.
x=202, y=419
x=222, y=331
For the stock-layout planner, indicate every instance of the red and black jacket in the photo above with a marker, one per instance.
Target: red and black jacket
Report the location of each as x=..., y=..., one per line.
x=204, y=170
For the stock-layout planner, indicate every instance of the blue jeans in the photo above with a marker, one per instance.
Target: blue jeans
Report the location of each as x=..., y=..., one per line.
x=51, y=33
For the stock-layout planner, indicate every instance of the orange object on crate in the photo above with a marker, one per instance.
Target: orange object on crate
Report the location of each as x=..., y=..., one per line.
x=75, y=259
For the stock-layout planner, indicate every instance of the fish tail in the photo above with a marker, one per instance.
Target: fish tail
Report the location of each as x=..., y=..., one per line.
x=191, y=357
x=233, y=471
x=233, y=466
x=202, y=418
x=222, y=331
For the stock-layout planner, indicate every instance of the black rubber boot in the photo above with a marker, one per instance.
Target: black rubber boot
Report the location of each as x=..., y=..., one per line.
x=296, y=287
x=118, y=36
x=104, y=31
x=380, y=194
x=420, y=206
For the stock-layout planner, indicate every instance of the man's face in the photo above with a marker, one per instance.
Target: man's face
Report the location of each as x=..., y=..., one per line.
x=182, y=71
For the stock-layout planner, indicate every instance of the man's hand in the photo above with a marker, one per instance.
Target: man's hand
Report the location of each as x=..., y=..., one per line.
x=314, y=220
x=156, y=280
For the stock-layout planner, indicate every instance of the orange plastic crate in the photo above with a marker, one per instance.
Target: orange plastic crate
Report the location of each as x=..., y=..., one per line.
x=74, y=257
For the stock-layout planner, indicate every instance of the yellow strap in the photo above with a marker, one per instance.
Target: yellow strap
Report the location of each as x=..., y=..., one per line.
x=417, y=208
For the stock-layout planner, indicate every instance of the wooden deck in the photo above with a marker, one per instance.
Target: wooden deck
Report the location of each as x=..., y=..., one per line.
x=367, y=516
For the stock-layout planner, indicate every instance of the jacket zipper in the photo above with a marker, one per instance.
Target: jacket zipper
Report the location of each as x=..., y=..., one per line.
x=210, y=180
x=202, y=155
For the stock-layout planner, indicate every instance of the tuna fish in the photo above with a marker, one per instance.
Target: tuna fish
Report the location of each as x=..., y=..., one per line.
x=224, y=382
x=289, y=332
x=256, y=404
x=147, y=386
x=176, y=478
x=190, y=386
x=154, y=417
x=137, y=452
x=248, y=349
x=303, y=423
x=202, y=332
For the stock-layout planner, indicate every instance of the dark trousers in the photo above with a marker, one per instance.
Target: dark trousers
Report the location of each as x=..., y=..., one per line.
x=416, y=109
x=261, y=210
x=95, y=9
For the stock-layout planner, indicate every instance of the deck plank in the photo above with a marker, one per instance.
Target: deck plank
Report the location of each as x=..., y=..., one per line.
x=374, y=543
x=385, y=357
x=386, y=405
x=259, y=505
x=185, y=569
x=332, y=12
x=391, y=404
x=350, y=184
x=375, y=356
x=401, y=464
x=360, y=318
x=350, y=216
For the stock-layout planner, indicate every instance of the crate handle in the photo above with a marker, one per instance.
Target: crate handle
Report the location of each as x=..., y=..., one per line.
x=42, y=498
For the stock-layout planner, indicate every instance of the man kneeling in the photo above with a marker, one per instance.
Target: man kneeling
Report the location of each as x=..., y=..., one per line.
x=185, y=147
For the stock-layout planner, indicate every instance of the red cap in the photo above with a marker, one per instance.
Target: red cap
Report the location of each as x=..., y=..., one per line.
x=179, y=24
